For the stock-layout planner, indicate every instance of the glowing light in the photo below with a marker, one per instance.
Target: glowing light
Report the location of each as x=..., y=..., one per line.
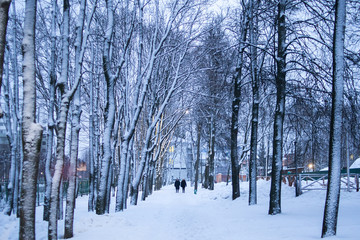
x=311, y=166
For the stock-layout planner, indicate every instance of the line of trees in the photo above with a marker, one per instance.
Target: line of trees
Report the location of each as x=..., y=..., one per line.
x=131, y=77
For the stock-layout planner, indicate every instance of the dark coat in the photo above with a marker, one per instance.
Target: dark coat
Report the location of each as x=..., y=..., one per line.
x=183, y=183
x=177, y=184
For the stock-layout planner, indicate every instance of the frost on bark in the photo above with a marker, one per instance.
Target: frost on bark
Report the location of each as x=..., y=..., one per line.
x=92, y=141
x=31, y=132
x=66, y=97
x=80, y=44
x=235, y=107
x=141, y=89
x=333, y=189
x=12, y=136
x=12, y=121
x=163, y=141
x=51, y=123
x=197, y=161
x=255, y=104
x=275, y=191
x=110, y=109
x=4, y=16
x=211, y=163
x=154, y=118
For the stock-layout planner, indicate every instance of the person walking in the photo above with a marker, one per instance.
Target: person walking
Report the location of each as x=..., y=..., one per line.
x=177, y=185
x=183, y=185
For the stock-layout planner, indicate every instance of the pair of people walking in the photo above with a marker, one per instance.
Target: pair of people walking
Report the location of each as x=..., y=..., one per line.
x=177, y=185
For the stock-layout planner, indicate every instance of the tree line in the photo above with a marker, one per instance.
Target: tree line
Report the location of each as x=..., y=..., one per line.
x=253, y=83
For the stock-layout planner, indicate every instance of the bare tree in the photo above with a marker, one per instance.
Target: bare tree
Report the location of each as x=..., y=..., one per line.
x=51, y=122
x=238, y=79
x=144, y=74
x=275, y=191
x=110, y=108
x=13, y=123
x=157, y=110
x=333, y=189
x=255, y=105
x=80, y=44
x=31, y=132
x=4, y=16
x=66, y=98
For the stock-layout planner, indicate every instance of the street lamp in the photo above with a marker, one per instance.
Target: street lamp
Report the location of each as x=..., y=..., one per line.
x=311, y=166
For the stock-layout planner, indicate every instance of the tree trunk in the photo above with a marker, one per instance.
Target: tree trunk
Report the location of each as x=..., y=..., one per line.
x=211, y=179
x=333, y=189
x=107, y=156
x=80, y=44
x=146, y=175
x=4, y=16
x=233, y=144
x=144, y=159
x=235, y=168
x=275, y=191
x=124, y=146
x=51, y=124
x=96, y=142
x=31, y=132
x=110, y=110
x=16, y=114
x=255, y=105
x=151, y=177
x=205, y=184
x=159, y=173
x=71, y=190
x=127, y=174
x=66, y=97
x=12, y=136
x=197, y=161
x=91, y=139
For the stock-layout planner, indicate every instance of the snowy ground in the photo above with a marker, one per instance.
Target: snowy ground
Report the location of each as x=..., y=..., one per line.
x=209, y=215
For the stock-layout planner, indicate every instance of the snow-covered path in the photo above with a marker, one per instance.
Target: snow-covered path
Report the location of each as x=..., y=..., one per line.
x=208, y=215
x=212, y=215
x=165, y=215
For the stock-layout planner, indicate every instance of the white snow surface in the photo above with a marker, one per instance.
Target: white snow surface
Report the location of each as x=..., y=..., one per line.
x=356, y=164
x=208, y=215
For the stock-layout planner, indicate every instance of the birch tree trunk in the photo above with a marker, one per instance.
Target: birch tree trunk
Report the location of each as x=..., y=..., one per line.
x=51, y=123
x=211, y=154
x=61, y=126
x=145, y=176
x=80, y=45
x=197, y=161
x=12, y=136
x=275, y=191
x=158, y=158
x=109, y=113
x=155, y=118
x=4, y=16
x=127, y=136
x=31, y=132
x=255, y=104
x=66, y=97
x=71, y=191
x=96, y=141
x=333, y=189
x=91, y=140
x=13, y=125
x=159, y=173
x=16, y=114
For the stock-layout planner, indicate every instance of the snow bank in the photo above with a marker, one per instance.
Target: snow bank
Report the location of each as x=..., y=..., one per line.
x=355, y=164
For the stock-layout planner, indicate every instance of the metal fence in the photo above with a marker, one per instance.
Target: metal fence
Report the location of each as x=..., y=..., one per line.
x=82, y=188
x=318, y=181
